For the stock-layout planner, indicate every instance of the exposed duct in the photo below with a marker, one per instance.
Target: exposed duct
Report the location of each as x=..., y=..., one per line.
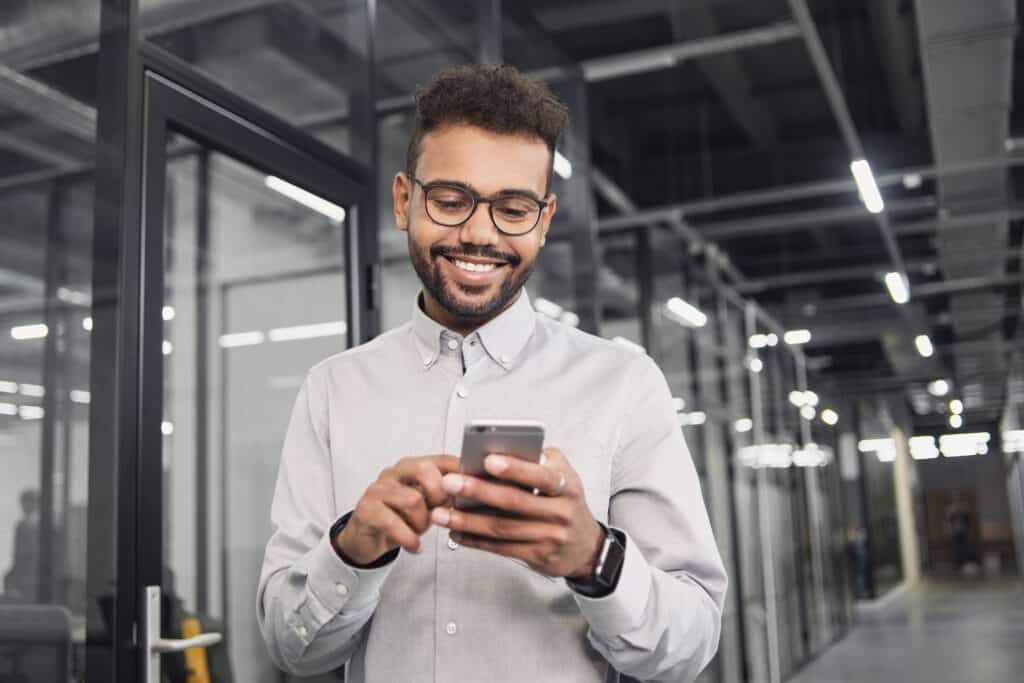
x=967, y=57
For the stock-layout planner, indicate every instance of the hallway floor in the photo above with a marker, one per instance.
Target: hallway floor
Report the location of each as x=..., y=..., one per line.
x=942, y=632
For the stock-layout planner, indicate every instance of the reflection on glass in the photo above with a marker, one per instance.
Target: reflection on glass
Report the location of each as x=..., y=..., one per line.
x=46, y=200
x=255, y=296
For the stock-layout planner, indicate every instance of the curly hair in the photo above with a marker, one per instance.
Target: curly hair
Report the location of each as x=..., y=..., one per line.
x=495, y=97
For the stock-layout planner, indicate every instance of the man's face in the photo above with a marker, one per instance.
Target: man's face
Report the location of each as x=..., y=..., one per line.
x=472, y=272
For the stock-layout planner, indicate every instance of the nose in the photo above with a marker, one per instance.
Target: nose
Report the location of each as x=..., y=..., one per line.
x=479, y=229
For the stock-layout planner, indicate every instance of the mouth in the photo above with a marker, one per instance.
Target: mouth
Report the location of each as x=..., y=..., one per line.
x=474, y=270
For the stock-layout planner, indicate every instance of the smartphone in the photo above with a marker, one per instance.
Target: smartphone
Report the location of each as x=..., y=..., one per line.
x=515, y=438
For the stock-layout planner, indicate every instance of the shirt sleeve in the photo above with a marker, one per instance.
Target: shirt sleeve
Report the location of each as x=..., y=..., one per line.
x=663, y=620
x=312, y=607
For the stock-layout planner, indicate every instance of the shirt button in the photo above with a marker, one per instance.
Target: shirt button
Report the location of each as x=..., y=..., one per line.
x=463, y=392
x=452, y=344
x=451, y=629
x=452, y=545
x=426, y=361
x=342, y=589
x=504, y=360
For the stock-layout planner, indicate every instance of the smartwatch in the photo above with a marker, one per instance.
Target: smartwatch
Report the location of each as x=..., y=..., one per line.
x=607, y=569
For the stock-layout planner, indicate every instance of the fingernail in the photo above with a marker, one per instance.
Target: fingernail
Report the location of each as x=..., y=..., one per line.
x=496, y=464
x=452, y=483
x=440, y=516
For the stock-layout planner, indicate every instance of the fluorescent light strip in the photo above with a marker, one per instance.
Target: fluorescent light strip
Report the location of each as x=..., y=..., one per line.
x=899, y=288
x=168, y=313
x=8, y=409
x=867, y=186
x=744, y=425
x=939, y=387
x=338, y=327
x=7, y=387
x=79, y=396
x=236, y=339
x=87, y=323
x=562, y=166
x=34, y=331
x=796, y=337
x=307, y=199
x=166, y=428
x=924, y=345
x=869, y=445
x=31, y=412
x=685, y=313
x=33, y=390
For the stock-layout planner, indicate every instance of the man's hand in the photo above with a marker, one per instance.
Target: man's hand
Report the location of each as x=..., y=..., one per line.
x=553, y=532
x=395, y=510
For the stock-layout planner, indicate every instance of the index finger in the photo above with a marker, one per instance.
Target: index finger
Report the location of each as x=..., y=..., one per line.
x=528, y=474
x=425, y=474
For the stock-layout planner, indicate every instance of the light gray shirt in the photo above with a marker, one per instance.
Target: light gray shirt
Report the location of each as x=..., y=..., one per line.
x=451, y=614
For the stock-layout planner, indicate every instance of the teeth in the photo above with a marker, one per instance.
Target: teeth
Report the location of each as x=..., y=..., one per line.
x=475, y=267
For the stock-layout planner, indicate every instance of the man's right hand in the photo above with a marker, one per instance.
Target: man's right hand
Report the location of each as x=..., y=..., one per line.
x=395, y=510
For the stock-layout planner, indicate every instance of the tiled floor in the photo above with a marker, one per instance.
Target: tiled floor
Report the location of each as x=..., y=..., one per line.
x=949, y=632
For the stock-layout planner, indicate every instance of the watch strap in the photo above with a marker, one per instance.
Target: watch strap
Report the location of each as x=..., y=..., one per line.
x=608, y=568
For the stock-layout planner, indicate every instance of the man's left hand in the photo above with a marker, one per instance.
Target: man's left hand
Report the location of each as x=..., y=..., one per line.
x=553, y=532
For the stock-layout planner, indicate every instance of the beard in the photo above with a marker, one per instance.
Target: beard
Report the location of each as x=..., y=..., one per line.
x=427, y=263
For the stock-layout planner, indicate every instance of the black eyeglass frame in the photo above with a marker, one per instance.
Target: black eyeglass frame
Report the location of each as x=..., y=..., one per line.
x=477, y=200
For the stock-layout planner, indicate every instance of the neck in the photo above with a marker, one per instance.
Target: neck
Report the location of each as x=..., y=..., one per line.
x=459, y=325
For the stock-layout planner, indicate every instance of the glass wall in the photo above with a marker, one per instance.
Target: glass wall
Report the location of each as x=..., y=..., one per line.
x=47, y=139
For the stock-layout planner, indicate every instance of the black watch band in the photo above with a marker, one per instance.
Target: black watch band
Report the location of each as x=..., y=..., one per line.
x=608, y=568
x=381, y=561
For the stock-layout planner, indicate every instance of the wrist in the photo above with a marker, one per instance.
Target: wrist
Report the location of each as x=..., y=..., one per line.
x=586, y=570
x=351, y=554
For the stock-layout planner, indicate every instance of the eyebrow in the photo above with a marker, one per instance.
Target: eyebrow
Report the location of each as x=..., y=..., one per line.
x=510, y=191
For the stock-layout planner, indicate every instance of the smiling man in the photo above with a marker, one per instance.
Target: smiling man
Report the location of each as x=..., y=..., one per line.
x=608, y=566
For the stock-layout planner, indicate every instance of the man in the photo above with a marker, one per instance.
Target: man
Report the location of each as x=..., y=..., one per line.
x=611, y=565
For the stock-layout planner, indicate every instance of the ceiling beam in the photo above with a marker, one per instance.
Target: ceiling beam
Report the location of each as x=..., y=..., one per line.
x=922, y=290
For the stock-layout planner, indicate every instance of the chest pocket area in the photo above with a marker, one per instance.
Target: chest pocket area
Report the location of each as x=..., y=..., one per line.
x=587, y=446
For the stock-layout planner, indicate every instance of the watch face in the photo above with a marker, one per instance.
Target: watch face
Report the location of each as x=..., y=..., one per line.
x=611, y=561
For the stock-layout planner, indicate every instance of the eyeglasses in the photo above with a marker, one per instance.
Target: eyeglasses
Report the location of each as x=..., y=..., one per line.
x=451, y=205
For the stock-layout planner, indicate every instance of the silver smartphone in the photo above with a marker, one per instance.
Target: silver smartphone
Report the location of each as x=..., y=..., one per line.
x=516, y=438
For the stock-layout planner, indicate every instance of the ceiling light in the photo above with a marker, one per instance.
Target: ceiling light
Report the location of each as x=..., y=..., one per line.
x=307, y=199
x=796, y=397
x=808, y=412
x=956, y=406
x=168, y=313
x=8, y=409
x=758, y=341
x=87, y=323
x=695, y=418
x=168, y=348
x=874, y=445
x=939, y=387
x=923, y=447
x=166, y=428
x=766, y=455
x=685, y=313
x=72, y=296
x=679, y=404
x=547, y=307
x=335, y=328
x=562, y=166
x=7, y=387
x=912, y=181
x=31, y=412
x=33, y=390
x=229, y=341
x=810, y=398
x=1013, y=441
x=866, y=186
x=629, y=344
x=812, y=455
x=829, y=417
x=773, y=339
x=79, y=396
x=965, y=444
x=744, y=425
x=899, y=288
x=755, y=364
x=956, y=422
x=35, y=331
x=924, y=345
x=794, y=337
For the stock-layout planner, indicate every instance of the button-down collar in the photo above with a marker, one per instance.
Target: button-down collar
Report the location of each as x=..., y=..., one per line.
x=503, y=338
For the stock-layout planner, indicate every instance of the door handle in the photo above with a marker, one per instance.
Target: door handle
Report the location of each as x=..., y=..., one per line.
x=153, y=645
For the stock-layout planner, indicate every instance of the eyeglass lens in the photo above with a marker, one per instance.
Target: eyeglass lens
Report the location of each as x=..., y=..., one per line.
x=452, y=206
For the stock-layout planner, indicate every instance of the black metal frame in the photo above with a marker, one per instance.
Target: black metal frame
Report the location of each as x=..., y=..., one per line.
x=145, y=93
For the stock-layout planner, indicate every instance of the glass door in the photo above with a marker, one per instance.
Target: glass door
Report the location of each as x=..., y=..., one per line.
x=248, y=260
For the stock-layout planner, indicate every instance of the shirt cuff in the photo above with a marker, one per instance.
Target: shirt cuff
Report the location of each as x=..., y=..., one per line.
x=338, y=586
x=623, y=609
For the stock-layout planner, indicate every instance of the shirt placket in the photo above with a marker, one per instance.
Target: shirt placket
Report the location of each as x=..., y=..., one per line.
x=447, y=623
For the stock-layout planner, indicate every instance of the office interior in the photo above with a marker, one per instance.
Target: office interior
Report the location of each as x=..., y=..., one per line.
x=803, y=210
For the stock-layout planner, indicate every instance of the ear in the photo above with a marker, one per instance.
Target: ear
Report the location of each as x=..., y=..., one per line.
x=546, y=216
x=401, y=194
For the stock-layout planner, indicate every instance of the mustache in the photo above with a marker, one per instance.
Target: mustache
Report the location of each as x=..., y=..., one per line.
x=440, y=250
